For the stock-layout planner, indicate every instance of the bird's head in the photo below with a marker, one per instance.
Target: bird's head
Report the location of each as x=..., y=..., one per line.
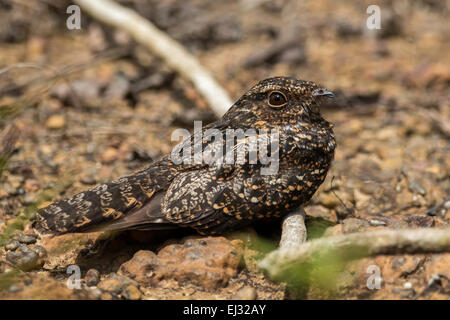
x=283, y=100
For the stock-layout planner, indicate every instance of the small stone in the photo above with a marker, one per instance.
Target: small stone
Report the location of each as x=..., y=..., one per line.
x=55, y=122
x=447, y=204
x=328, y=200
x=92, y=277
x=3, y=194
x=111, y=285
x=361, y=199
x=404, y=293
x=246, y=293
x=14, y=288
x=10, y=189
x=106, y=296
x=407, y=285
x=434, y=278
x=12, y=245
x=41, y=252
x=16, y=181
x=115, y=283
x=118, y=87
x=27, y=239
x=438, y=266
x=29, y=198
x=88, y=180
x=351, y=225
x=208, y=262
x=25, y=259
x=87, y=92
x=131, y=293
x=376, y=222
x=31, y=185
x=96, y=293
x=109, y=155
x=414, y=186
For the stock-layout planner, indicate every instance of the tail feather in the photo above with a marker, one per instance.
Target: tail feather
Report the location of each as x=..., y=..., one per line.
x=149, y=217
x=100, y=205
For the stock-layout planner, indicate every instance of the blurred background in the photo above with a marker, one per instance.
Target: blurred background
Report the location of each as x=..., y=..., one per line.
x=82, y=107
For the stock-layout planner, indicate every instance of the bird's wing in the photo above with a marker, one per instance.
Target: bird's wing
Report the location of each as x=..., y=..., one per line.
x=218, y=198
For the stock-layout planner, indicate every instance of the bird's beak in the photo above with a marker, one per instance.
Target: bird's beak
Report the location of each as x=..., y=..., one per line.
x=325, y=93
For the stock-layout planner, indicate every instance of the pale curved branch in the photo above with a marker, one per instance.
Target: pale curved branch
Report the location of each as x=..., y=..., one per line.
x=358, y=245
x=159, y=43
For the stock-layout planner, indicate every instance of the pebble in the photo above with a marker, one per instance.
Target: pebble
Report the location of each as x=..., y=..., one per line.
x=92, y=277
x=27, y=259
x=246, y=293
x=115, y=283
x=131, y=292
x=434, y=279
x=88, y=179
x=55, y=122
x=404, y=293
x=351, y=225
x=15, y=181
x=376, y=222
x=3, y=194
x=96, y=293
x=414, y=186
x=88, y=92
x=27, y=239
x=106, y=296
x=407, y=285
x=41, y=252
x=29, y=198
x=208, y=262
x=10, y=189
x=109, y=155
x=31, y=185
x=14, y=288
x=329, y=200
x=447, y=204
x=12, y=245
x=118, y=87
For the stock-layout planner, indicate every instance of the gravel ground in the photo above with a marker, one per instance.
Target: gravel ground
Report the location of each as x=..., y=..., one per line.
x=114, y=110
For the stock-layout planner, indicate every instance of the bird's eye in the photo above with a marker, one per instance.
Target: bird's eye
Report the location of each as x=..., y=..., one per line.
x=277, y=99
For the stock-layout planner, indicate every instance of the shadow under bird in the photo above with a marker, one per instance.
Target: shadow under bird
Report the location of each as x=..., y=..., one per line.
x=213, y=198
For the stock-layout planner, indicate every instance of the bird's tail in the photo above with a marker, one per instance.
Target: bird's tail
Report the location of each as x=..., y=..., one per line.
x=102, y=204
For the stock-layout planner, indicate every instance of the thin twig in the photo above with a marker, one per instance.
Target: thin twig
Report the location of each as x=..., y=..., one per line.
x=21, y=65
x=349, y=212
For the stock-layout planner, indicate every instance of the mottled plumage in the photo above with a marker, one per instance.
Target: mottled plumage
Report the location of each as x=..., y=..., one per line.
x=214, y=198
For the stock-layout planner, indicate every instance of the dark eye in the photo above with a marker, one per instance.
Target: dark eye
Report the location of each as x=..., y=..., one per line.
x=277, y=99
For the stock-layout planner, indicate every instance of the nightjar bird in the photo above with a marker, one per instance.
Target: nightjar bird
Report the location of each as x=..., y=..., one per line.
x=218, y=196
